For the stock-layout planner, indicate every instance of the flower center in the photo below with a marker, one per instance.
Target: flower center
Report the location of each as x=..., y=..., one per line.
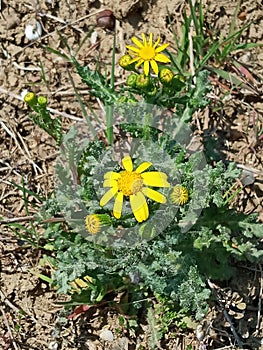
x=147, y=53
x=129, y=183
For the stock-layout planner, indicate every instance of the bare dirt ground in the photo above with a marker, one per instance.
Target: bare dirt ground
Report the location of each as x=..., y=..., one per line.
x=30, y=317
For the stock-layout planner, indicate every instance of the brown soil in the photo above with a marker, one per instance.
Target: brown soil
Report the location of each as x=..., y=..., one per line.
x=30, y=316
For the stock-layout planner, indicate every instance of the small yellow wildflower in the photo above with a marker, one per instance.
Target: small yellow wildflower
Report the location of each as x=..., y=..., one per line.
x=93, y=223
x=133, y=184
x=179, y=195
x=31, y=99
x=125, y=62
x=148, y=53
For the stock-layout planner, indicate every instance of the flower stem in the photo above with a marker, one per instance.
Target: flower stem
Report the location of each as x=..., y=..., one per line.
x=109, y=108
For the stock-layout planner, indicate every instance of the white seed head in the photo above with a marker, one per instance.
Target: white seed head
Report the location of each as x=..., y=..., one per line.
x=33, y=30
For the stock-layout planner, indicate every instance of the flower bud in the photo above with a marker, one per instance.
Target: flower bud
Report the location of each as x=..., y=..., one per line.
x=143, y=81
x=166, y=76
x=124, y=62
x=132, y=80
x=42, y=101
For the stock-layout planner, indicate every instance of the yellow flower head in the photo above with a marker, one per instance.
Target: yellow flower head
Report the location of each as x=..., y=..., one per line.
x=133, y=184
x=31, y=99
x=148, y=53
x=179, y=195
x=93, y=223
x=124, y=62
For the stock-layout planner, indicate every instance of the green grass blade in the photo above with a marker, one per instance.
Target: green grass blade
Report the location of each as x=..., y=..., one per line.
x=109, y=109
x=29, y=192
x=56, y=52
x=83, y=108
x=84, y=40
x=194, y=18
x=32, y=238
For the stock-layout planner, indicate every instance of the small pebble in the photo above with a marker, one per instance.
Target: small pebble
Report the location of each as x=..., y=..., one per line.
x=247, y=177
x=106, y=335
x=53, y=345
x=33, y=30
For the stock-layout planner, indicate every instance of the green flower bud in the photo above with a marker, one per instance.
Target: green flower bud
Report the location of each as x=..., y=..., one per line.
x=143, y=82
x=42, y=101
x=166, y=76
x=124, y=62
x=131, y=80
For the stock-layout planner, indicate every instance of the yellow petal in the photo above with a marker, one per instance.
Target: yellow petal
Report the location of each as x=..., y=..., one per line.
x=139, y=207
x=144, y=41
x=146, y=67
x=154, y=195
x=162, y=58
x=111, y=175
x=157, y=42
x=107, y=196
x=142, y=167
x=155, y=179
x=110, y=183
x=117, y=209
x=161, y=48
x=80, y=283
x=139, y=63
x=132, y=48
x=135, y=59
x=154, y=66
x=127, y=163
x=137, y=42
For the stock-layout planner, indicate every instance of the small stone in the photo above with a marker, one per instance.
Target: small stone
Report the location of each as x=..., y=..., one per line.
x=241, y=306
x=53, y=345
x=106, y=335
x=247, y=177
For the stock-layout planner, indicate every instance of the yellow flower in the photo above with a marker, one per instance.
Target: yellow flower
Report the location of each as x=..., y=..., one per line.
x=179, y=195
x=148, y=53
x=31, y=99
x=133, y=184
x=124, y=62
x=93, y=223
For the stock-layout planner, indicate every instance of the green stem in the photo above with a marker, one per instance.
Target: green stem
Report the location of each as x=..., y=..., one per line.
x=109, y=108
x=109, y=123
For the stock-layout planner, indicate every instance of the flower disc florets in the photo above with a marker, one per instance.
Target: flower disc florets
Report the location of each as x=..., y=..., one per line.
x=179, y=195
x=129, y=183
x=93, y=223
